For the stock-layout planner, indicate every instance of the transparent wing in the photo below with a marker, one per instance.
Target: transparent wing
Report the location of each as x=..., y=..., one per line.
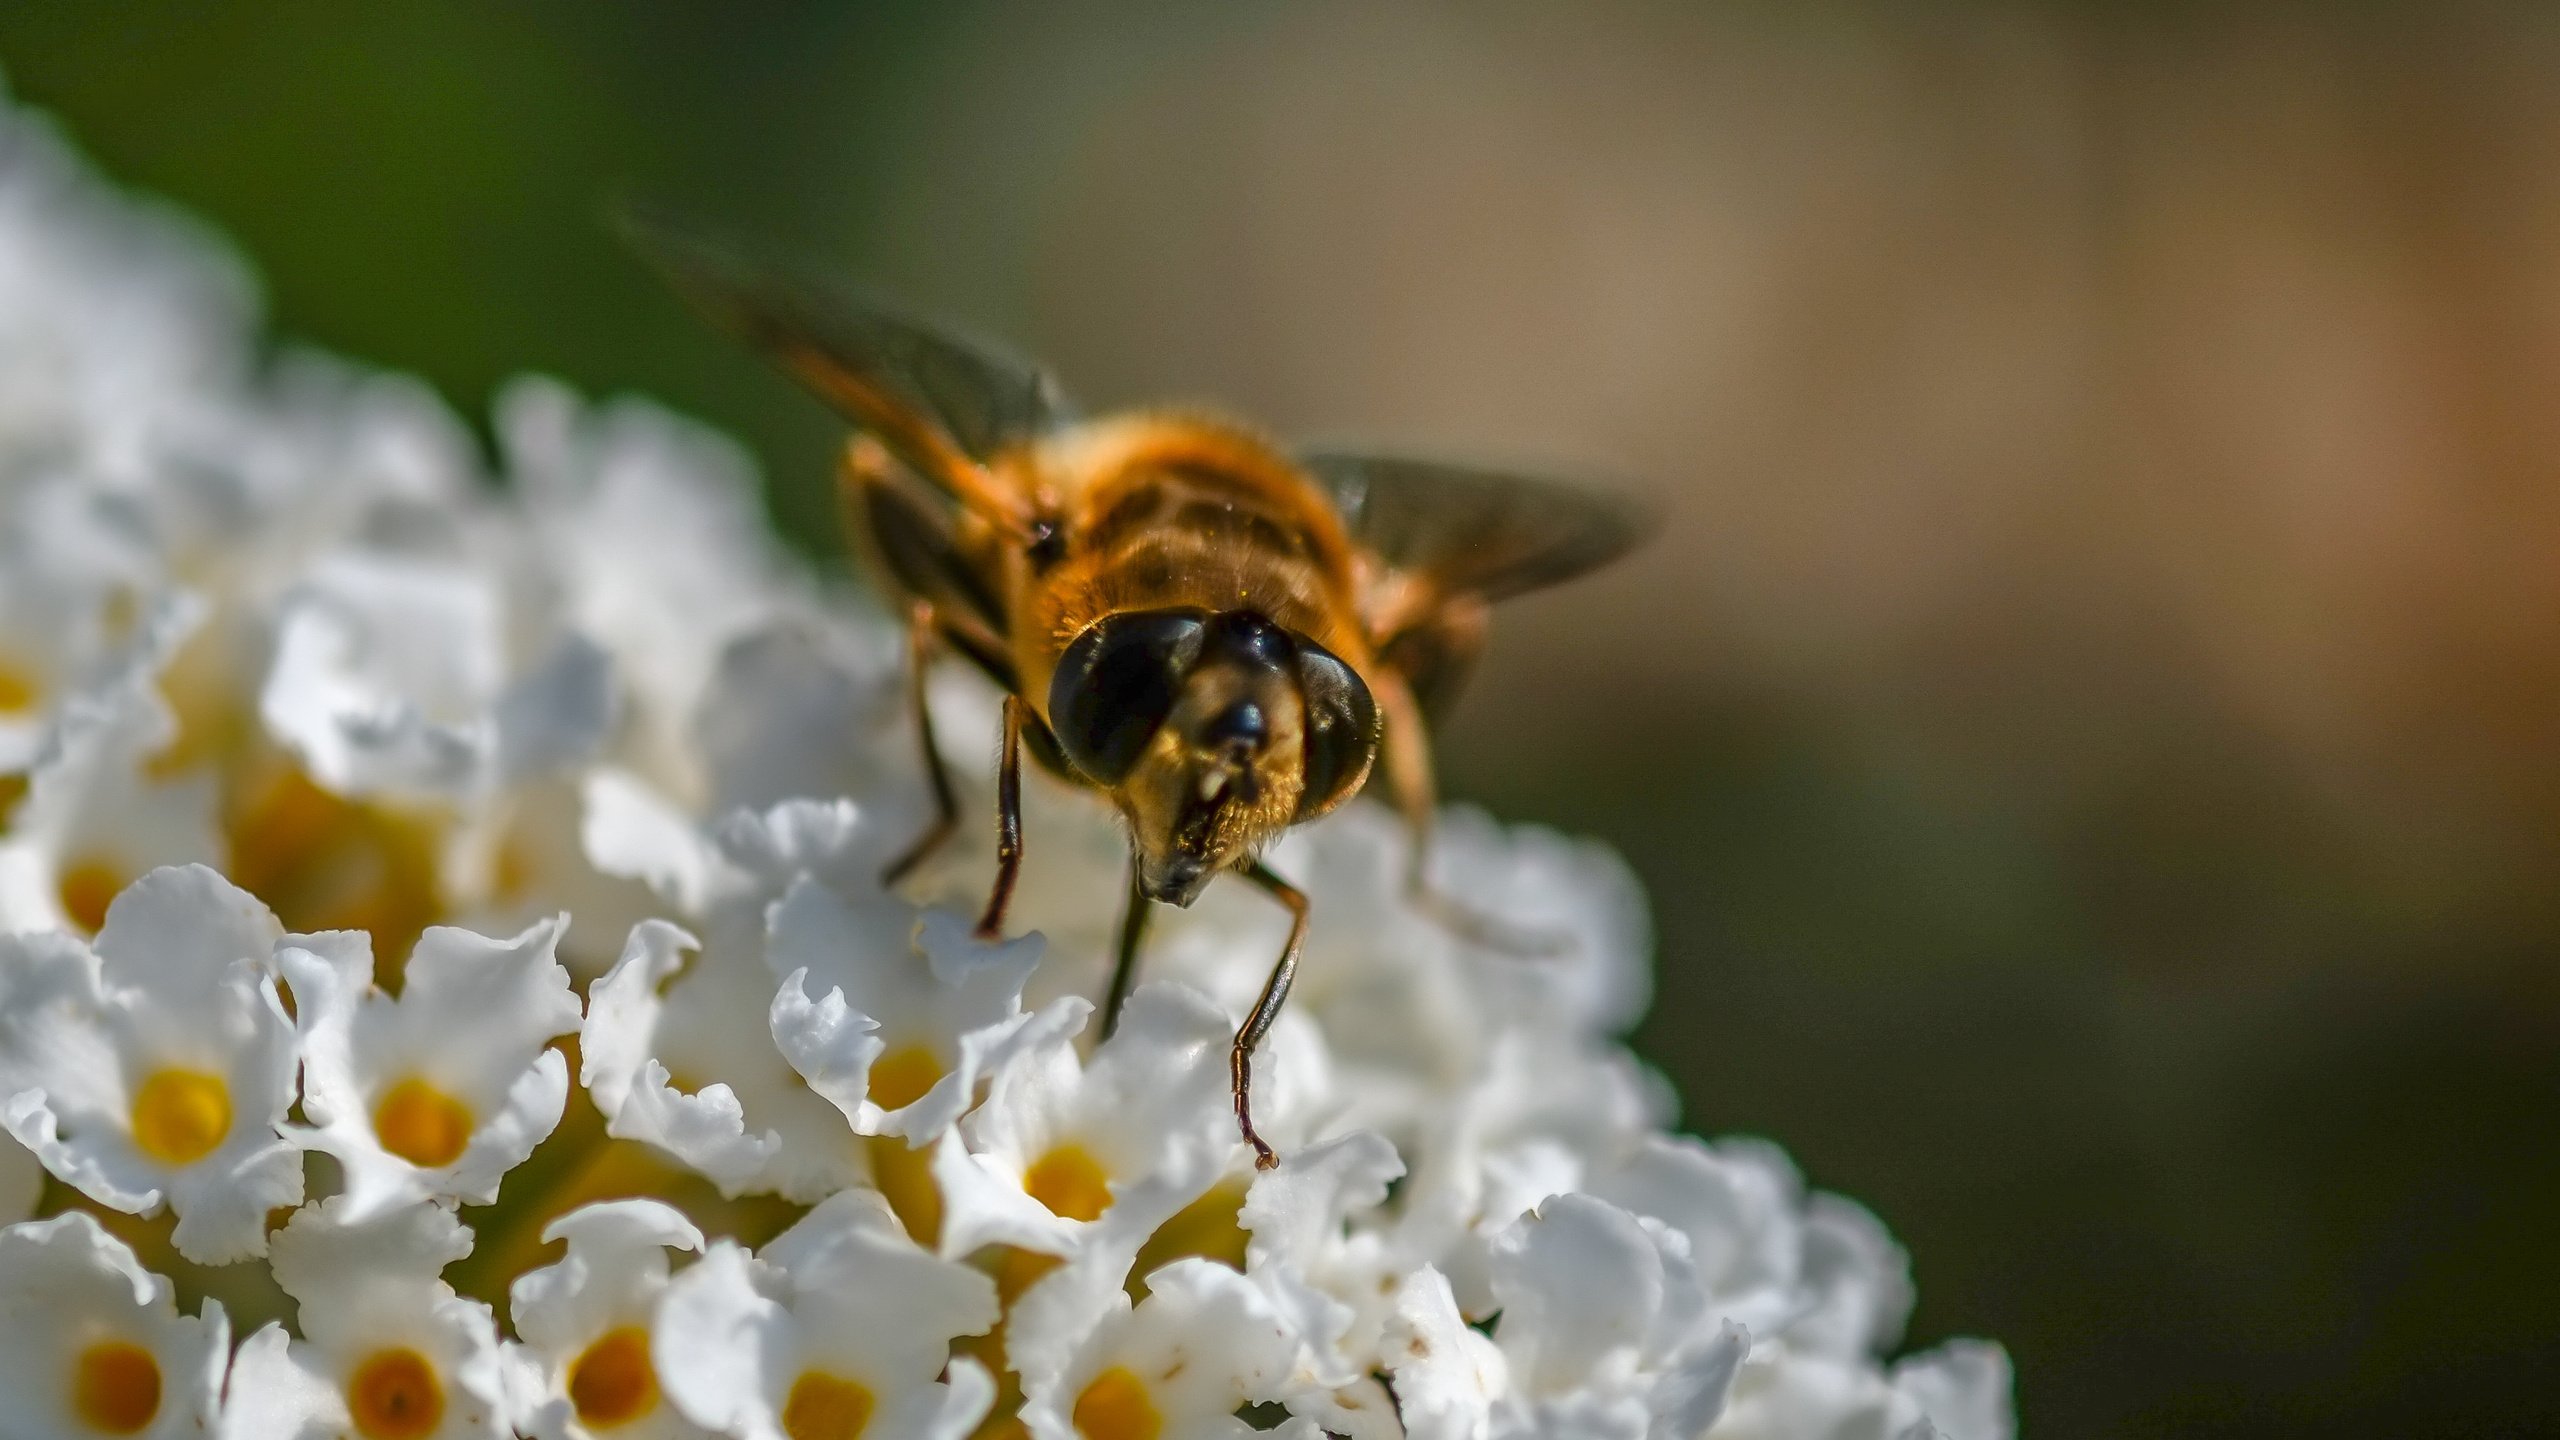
x=923, y=390
x=1470, y=531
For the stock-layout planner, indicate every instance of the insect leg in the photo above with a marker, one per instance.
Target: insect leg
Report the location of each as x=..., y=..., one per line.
x=1124, y=971
x=1008, y=823
x=946, y=807
x=1408, y=762
x=1275, y=993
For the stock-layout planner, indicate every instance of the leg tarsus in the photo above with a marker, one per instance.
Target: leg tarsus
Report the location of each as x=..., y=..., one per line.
x=946, y=806
x=1275, y=993
x=1008, y=824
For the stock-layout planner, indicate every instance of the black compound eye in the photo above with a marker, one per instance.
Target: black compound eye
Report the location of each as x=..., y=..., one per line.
x=1342, y=729
x=1115, y=685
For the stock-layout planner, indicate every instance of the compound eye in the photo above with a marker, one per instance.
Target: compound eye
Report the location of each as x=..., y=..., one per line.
x=1342, y=729
x=1117, y=683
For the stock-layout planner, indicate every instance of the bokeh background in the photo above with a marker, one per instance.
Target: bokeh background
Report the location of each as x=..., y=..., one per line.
x=2090, y=722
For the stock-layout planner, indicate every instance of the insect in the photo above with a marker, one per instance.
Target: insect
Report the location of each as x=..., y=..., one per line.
x=1218, y=635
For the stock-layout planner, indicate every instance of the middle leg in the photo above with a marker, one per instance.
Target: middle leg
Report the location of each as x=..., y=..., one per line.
x=1133, y=933
x=1407, y=760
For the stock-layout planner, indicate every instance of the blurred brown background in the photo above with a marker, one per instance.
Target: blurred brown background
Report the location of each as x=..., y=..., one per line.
x=2091, y=722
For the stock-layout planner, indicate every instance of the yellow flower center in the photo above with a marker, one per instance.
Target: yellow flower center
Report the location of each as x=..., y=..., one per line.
x=422, y=1124
x=1116, y=1406
x=1205, y=1228
x=1070, y=1182
x=324, y=862
x=86, y=888
x=901, y=1077
x=21, y=690
x=822, y=1407
x=611, y=1382
x=115, y=1387
x=180, y=1115
x=394, y=1395
x=904, y=1177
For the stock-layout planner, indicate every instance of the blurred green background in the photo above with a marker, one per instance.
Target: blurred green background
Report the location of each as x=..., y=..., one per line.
x=2091, y=722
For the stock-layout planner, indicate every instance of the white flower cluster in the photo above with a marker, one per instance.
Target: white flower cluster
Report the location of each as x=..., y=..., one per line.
x=444, y=942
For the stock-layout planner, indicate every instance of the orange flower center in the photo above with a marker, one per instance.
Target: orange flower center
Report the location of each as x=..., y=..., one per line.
x=115, y=1387
x=395, y=1395
x=611, y=1382
x=822, y=1407
x=1116, y=1406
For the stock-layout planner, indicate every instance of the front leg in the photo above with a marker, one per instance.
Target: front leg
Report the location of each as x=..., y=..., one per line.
x=1008, y=823
x=1275, y=993
x=1133, y=934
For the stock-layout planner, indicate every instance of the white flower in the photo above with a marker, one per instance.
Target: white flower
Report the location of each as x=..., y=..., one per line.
x=91, y=1344
x=838, y=1330
x=437, y=1094
x=586, y=1321
x=901, y=1034
x=1333, y=1276
x=680, y=1054
x=650, y=528
x=1448, y=1377
x=1605, y=1330
x=95, y=817
x=1959, y=1392
x=1068, y=1156
x=795, y=708
x=72, y=575
x=388, y=1350
x=158, y=1064
x=1818, y=1272
x=391, y=676
x=1205, y=1342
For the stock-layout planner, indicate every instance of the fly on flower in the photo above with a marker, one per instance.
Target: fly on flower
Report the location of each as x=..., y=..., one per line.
x=1218, y=635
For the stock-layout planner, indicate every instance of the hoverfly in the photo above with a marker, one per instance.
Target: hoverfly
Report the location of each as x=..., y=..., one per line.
x=1217, y=634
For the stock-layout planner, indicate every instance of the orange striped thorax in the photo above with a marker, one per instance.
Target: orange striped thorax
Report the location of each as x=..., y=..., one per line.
x=1157, y=512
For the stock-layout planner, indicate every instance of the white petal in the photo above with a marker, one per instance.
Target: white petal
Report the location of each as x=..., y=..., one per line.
x=712, y=1340
x=617, y=1260
x=1448, y=1377
x=622, y=1012
x=1963, y=1387
x=177, y=931
x=385, y=669
x=557, y=713
x=629, y=830
x=1579, y=1282
x=276, y=1394
x=756, y=1127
